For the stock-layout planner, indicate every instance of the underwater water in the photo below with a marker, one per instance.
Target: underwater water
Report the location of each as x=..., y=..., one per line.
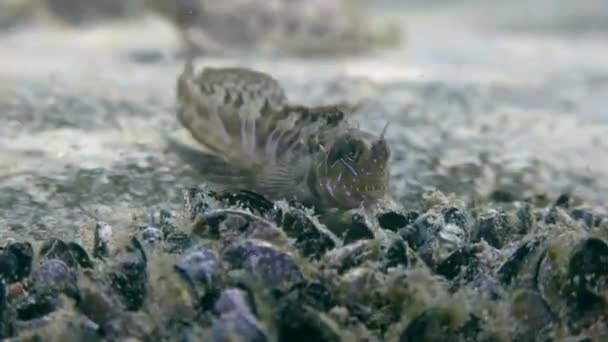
x=495, y=110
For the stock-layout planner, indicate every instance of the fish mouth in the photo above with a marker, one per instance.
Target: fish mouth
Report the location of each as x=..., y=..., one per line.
x=349, y=185
x=359, y=192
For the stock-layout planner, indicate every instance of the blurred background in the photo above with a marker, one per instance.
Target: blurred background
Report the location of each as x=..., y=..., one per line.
x=489, y=100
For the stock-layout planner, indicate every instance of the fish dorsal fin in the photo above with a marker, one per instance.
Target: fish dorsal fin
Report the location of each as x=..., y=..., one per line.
x=261, y=141
x=229, y=110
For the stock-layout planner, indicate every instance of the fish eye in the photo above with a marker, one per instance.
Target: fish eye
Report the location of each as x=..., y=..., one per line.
x=347, y=150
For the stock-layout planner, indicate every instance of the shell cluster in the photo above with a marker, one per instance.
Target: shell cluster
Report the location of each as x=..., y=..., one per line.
x=236, y=265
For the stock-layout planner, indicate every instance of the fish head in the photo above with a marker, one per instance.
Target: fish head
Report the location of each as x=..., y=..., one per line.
x=355, y=169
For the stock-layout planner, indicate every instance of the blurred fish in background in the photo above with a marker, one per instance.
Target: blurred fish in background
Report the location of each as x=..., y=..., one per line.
x=292, y=27
x=298, y=27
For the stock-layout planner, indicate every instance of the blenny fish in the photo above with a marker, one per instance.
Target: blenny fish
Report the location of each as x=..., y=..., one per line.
x=300, y=27
x=263, y=143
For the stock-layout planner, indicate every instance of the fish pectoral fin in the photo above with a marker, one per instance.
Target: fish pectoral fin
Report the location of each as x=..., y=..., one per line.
x=213, y=167
x=281, y=181
x=227, y=110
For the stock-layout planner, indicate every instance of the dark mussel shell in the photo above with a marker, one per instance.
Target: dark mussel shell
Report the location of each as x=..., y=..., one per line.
x=57, y=249
x=312, y=238
x=129, y=276
x=24, y=253
x=588, y=276
x=393, y=220
x=248, y=199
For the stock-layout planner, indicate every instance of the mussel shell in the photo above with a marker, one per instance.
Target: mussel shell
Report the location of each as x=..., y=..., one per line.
x=358, y=230
x=263, y=262
x=214, y=224
x=236, y=318
x=495, y=228
x=454, y=215
x=198, y=266
x=525, y=259
x=151, y=235
x=533, y=314
x=9, y=266
x=454, y=264
x=397, y=254
x=80, y=255
x=54, y=276
x=102, y=243
x=248, y=199
x=588, y=273
x=57, y=249
x=6, y=328
x=24, y=253
x=312, y=239
x=394, y=221
x=130, y=275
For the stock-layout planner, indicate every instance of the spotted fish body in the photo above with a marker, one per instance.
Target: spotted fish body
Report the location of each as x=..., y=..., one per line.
x=283, y=151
